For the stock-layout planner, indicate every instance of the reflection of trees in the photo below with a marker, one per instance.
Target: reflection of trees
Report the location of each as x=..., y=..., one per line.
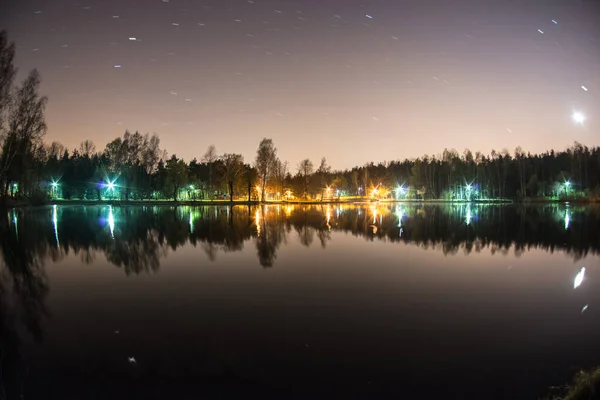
x=271, y=234
x=473, y=228
x=23, y=290
x=138, y=237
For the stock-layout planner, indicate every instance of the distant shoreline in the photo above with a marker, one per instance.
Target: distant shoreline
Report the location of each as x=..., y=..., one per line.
x=199, y=203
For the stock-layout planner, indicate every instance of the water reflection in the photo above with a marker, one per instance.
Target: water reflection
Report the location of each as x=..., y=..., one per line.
x=579, y=278
x=136, y=239
x=146, y=234
x=23, y=290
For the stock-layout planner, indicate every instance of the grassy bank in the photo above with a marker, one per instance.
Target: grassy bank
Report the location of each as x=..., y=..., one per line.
x=585, y=386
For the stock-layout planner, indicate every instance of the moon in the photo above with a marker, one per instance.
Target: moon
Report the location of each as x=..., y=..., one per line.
x=578, y=117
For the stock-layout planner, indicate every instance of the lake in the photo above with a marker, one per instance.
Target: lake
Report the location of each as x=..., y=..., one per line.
x=289, y=301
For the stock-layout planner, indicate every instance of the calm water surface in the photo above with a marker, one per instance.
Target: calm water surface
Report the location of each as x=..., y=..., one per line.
x=289, y=301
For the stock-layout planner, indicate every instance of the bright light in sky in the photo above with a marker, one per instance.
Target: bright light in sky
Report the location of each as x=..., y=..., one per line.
x=578, y=117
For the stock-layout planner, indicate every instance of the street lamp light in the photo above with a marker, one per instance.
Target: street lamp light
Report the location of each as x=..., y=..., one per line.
x=54, y=185
x=399, y=191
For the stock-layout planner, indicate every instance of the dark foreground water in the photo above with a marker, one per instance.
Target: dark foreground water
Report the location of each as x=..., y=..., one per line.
x=297, y=302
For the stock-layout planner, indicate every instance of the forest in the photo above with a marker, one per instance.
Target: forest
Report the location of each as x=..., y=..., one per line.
x=134, y=167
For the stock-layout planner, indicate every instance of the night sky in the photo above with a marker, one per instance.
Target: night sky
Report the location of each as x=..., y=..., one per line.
x=354, y=81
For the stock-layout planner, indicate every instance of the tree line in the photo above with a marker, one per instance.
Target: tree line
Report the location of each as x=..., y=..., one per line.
x=134, y=167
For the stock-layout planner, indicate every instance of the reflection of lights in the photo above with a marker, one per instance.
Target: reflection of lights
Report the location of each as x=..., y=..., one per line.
x=287, y=210
x=15, y=221
x=328, y=217
x=191, y=223
x=579, y=278
x=469, y=217
x=399, y=215
x=55, y=222
x=567, y=219
x=374, y=211
x=584, y=308
x=257, y=222
x=111, y=222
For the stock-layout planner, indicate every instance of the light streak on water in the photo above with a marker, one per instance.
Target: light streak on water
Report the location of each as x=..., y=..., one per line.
x=469, y=216
x=567, y=219
x=191, y=223
x=257, y=222
x=579, y=278
x=111, y=222
x=55, y=223
x=16, y=222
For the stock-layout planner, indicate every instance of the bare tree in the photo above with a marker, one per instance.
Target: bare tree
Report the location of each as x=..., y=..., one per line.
x=210, y=157
x=87, y=148
x=323, y=171
x=56, y=150
x=280, y=169
x=305, y=169
x=264, y=162
x=26, y=128
x=233, y=165
x=7, y=76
